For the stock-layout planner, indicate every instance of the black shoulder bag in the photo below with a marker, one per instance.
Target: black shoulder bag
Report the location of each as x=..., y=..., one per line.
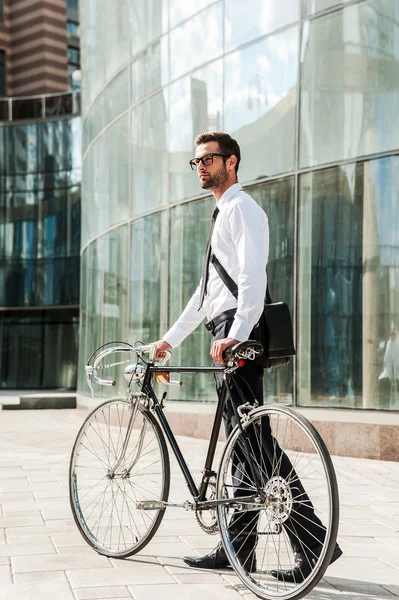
x=274, y=328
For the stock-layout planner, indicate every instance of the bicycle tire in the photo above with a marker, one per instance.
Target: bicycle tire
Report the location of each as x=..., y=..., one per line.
x=279, y=511
x=110, y=521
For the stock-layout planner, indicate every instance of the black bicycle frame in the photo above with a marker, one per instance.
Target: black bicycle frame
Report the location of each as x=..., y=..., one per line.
x=197, y=494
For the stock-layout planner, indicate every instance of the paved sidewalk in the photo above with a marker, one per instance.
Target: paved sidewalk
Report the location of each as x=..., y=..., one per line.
x=43, y=557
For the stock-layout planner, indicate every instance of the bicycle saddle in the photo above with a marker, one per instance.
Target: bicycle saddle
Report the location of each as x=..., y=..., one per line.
x=245, y=350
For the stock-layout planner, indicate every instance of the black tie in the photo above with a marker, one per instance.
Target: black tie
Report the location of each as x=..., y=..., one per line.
x=205, y=272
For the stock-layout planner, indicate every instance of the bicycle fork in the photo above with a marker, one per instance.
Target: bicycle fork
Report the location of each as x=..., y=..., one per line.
x=139, y=445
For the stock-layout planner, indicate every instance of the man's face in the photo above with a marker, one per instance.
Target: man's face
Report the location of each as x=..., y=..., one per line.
x=215, y=175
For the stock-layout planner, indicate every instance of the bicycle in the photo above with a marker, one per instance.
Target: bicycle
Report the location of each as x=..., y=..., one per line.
x=119, y=475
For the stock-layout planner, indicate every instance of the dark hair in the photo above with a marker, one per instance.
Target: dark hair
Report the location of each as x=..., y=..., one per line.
x=226, y=143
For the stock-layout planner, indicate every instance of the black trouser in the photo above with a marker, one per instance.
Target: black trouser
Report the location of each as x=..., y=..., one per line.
x=304, y=529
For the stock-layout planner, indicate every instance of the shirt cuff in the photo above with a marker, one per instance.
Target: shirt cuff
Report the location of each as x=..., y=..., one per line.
x=174, y=337
x=240, y=330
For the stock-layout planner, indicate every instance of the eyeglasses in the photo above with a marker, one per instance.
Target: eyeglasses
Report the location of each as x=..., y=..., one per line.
x=205, y=160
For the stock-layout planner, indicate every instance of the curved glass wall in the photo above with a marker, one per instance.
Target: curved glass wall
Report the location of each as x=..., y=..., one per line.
x=309, y=90
x=40, y=180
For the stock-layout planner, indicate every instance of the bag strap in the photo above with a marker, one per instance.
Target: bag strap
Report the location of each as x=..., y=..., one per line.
x=229, y=282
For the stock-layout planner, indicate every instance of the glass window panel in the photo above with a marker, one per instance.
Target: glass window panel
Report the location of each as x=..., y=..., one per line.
x=115, y=35
x=189, y=225
x=148, y=20
x=95, y=286
x=347, y=286
x=350, y=61
x=197, y=102
x=21, y=149
x=310, y=7
x=265, y=17
x=149, y=154
x=116, y=95
x=83, y=314
x=54, y=218
x=95, y=120
x=183, y=9
x=260, y=104
x=116, y=172
x=277, y=200
x=60, y=354
x=148, y=297
x=114, y=304
x=198, y=48
x=21, y=352
x=150, y=70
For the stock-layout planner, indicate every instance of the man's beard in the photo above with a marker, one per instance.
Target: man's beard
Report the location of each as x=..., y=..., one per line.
x=213, y=182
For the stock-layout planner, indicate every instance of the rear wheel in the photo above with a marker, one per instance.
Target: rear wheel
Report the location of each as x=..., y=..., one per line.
x=292, y=502
x=104, y=500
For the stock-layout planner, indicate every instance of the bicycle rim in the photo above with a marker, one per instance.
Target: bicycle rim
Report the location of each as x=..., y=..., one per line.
x=296, y=505
x=103, y=503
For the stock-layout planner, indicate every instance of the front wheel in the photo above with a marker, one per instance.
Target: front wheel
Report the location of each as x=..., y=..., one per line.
x=104, y=498
x=292, y=502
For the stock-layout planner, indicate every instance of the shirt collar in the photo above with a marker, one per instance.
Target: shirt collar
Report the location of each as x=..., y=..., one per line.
x=228, y=195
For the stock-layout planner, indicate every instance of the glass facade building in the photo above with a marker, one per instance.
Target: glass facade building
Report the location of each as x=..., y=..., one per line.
x=40, y=180
x=310, y=89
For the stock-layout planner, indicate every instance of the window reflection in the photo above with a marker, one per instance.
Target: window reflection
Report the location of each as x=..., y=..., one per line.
x=201, y=39
x=310, y=7
x=348, y=112
x=149, y=154
x=196, y=105
x=277, y=200
x=260, y=104
x=348, y=274
x=270, y=15
x=148, y=20
x=150, y=70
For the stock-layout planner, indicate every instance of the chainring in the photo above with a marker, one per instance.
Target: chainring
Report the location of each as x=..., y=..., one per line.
x=207, y=518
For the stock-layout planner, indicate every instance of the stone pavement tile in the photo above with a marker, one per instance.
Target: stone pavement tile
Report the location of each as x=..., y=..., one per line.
x=367, y=570
x=52, y=528
x=57, y=562
x=194, y=591
x=390, y=522
x=40, y=576
x=349, y=587
x=370, y=549
x=58, y=513
x=2, y=537
x=68, y=539
x=11, y=472
x=198, y=577
x=366, y=530
x=5, y=560
x=14, y=485
x=13, y=508
x=5, y=574
x=167, y=549
x=47, y=489
x=22, y=520
x=10, y=497
x=200, y=541
x=392, y=542
x=141, y=574
x=28, y=546
x=392, y=560
x=136, y=560
x=102, y=592
x=37, y=591
x=393, y=589
x=179, y=527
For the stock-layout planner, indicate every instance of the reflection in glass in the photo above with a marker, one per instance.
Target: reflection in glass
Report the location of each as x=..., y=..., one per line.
x=148, y=20
x=349, y=91
x=310, y=7
x=260, y=104
x=149, y=155
x=183, y=9
x=150, y=70
x=348, y=277
x=147, y=291
x=201, y=39
x=189, y=226
x=265, y=17
x=277, y=200
x=197, y=102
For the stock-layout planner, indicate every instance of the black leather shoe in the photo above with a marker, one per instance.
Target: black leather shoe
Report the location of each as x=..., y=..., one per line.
x=303, y=567
x=217, y=559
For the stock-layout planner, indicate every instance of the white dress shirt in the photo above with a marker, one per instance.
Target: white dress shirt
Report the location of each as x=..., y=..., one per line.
x=240, y=241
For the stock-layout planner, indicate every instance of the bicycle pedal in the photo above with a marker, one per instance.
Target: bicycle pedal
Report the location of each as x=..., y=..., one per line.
x=151, y=505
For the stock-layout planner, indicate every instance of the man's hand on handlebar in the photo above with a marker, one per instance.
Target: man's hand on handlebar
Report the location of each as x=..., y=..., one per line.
x=220, y=346
x=162, y=346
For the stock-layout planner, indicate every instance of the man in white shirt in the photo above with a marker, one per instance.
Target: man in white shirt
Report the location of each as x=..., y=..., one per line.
x=240, y=241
